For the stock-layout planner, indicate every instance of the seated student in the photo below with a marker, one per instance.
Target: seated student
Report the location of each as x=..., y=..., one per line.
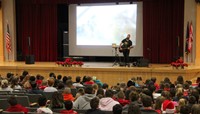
x=117, y=109
x=68, y=107
x=67, y=95
x=121, y=98
x=134, y=109
x=42, y=101
x=50, y=87
x=94, y=103
x=78, y=82
x=83, y=102
x=107, y=102
x=15, y=107
x=147, y=105
x=57, y=101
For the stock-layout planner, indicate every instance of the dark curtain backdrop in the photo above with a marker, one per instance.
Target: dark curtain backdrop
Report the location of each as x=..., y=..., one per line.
x=163, y=22
x=39, y=22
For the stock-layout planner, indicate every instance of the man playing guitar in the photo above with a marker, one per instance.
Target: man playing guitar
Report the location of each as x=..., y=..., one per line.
x=125, y=47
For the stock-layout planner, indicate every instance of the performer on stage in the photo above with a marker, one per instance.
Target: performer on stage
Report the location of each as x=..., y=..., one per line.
x=125, y=47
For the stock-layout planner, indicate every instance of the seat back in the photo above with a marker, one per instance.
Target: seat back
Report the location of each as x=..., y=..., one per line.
x=4, y=104
x=74, y=91
x=6, y=112
x=33, y=98
x=80, y=111
x=23, y=100
x=48, y=95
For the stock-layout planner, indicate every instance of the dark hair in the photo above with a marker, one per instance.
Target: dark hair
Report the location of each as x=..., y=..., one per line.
x=133, y=96
x=192, y=99
x=100, y=92
x=65, y=78
x=51, y=74
x=68, y=105
x=147, y=101
x=117, y=109
x=59, y=77
x=109, y=93
x=88, y=89
x=166, y=94
x=130, y=83
x=61, y=85
x=105, y=85
x=133, y=109
x=78, y=79
x=195, y=109
x=38, y=76
x=158, y=103
x=94, y=103
x=153, y=79
x=25, y=73
x=12, y=101
x=32, y=78
x=33, y=85
x=42, y=101
x=180, y=80
x=185, y=109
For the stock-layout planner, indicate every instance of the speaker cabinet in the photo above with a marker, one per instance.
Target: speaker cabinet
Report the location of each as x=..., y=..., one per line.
x=143, y=62
x=30, y=59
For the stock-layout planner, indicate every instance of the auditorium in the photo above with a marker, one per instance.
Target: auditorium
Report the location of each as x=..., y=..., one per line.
x=114, y=43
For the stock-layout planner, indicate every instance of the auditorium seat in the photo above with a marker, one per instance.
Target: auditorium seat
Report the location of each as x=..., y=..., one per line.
x=23, y=100
x=80, y=111
x=6, y=112
x=4, y=104
x=48, y=95
x=33, y=98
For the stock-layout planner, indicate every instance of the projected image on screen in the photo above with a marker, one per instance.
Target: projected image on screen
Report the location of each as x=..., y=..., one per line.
x=104, y=25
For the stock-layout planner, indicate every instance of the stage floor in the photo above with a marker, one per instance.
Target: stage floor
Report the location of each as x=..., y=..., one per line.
x=105, y=71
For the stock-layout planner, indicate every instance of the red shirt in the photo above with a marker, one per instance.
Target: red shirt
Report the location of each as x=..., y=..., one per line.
x=68, y=112
x=89, y=83
x=68, y=97
x=17, y=108
x=123, y=102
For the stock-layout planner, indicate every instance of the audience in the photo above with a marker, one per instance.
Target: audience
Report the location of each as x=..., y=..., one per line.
x=178, y=97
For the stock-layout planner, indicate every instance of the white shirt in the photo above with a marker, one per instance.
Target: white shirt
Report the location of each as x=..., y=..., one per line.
x=50, y=89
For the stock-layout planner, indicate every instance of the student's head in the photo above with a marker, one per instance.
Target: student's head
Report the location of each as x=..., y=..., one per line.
x=59, y=77
x=105, y=86
x=67, y=90
x=195, y=109
x=94, y=103
x=109, y=93
x=68, y=105
x=50, y=82
x=166, y=94
x=133, y=96
x=42, y=101
x=12, y=101
x=33, y=85
x=133, y=109
x=78, y=79
x=146, y=101
x=185, y=109
x=88, y=90
x=120, y=95
x=117, y=109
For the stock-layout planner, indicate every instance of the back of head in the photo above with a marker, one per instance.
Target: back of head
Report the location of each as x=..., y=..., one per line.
x=78, y=79
x=109, y=93
x=25, y=73
x=195, y=109
x=88, y=90
x=133, y=96
x=120, y=95
x=185, y=109
x=59, y=77
x=166, y=94
x=50, y=82
x=68, y=105
x=105, y=86
x=117, y=109
x=12, y=101
x=134, y=109
x=42, y=101
x=94, y=103
x=67, y=90
x=146, y=101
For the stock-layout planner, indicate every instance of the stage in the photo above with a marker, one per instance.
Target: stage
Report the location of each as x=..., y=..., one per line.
x=103, y=71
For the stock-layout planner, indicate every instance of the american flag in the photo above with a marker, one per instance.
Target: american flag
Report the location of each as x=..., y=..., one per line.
x=8, y=40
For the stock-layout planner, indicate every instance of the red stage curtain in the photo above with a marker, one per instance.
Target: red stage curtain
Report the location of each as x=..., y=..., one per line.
x=163, y=22
x=39, y=22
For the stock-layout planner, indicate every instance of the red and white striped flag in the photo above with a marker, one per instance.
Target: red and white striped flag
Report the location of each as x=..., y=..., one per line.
x=190, y=39
x=8, y=40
